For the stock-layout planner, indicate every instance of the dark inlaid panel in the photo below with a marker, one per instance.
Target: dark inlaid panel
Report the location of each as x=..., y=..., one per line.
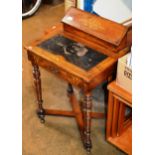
x=74, y=52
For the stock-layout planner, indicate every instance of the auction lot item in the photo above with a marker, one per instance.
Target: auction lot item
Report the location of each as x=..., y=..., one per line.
x=82, y=50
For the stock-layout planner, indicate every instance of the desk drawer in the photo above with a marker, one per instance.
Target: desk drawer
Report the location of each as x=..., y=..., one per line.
x=53, y=68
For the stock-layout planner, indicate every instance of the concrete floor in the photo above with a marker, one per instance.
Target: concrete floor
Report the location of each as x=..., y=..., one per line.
x=58, y=136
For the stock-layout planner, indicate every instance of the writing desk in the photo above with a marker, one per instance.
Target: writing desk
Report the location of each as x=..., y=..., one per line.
x=77, y=60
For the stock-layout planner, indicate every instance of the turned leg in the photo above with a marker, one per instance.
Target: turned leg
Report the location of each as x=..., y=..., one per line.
x=109, y=79
x=37, y=82
x=87, y=107
x=76, y=109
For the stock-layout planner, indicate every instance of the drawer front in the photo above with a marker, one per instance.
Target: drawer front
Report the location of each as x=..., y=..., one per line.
x=60, y=72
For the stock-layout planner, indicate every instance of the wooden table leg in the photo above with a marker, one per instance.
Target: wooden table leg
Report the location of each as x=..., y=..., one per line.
x=87, y=107
x=76, y=109
x=109, y=115
x=109, y=79
x=37, y=82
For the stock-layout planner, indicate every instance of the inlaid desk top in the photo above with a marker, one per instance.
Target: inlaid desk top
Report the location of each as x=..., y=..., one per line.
x=71, y=58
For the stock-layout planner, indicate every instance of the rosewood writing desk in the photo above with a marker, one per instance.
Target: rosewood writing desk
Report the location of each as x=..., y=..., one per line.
x=80, y=59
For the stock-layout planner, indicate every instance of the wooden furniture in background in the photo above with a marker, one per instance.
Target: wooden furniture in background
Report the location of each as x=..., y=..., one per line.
x=84, y=56
x=118, y=127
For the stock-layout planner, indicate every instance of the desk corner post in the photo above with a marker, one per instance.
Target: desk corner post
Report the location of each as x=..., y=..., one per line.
x=37, y=82
x=87, y=107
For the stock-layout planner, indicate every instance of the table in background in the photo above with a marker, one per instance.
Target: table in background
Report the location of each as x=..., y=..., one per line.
x=119, y=128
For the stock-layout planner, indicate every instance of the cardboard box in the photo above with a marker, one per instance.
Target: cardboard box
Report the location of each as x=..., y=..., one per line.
x=124, y=73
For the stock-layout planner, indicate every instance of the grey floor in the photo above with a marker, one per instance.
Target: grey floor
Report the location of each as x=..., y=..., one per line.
x=58, y=136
